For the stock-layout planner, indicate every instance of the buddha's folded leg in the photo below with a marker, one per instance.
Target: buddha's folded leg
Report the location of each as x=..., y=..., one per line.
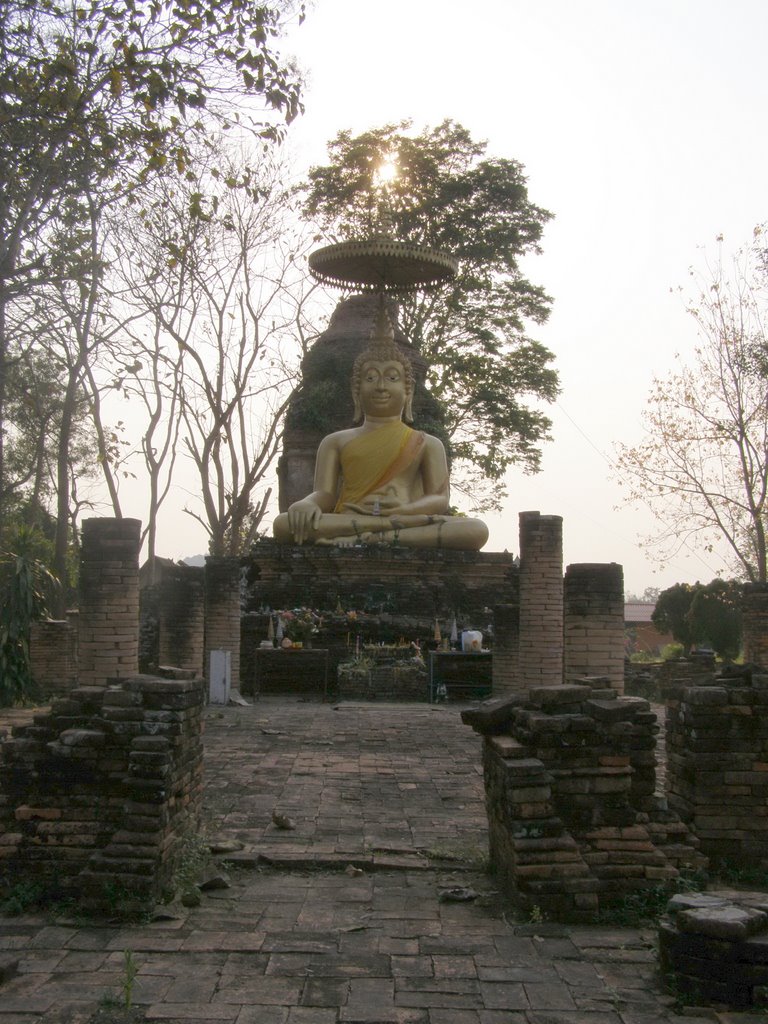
x=336, y=527
x=421, y=530
x=457, y=534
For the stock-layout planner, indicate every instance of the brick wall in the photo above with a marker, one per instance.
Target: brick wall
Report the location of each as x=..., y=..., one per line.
x=506, y=648
x=53, y=655
x=222, y=613
x=181, y=612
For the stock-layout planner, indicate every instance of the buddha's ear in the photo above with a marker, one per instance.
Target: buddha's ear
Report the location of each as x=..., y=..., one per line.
x=358, y=409
x=408, y=410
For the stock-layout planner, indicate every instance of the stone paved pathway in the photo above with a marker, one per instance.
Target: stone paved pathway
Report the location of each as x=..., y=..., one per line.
x=357, y=779
x=388, y=792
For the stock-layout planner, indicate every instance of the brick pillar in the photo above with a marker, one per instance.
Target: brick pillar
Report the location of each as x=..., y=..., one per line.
x=222, y=613
x=594, y=623
x=754, y=607
x=182, y=617
x=53, y=655
x=506, y=649
x=109, y=600
x=541, y=599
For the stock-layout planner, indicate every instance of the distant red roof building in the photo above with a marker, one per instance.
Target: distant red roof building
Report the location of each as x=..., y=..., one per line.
x=641, y=634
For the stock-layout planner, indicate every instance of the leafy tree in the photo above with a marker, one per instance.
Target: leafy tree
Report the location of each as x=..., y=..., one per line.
x=716, y=617
x=699, y=613
x=95, y=97
x=703, y=465
x=25, y=589
x=485, y=371
x=671, y=612
x=63, y=320
x=51, y=437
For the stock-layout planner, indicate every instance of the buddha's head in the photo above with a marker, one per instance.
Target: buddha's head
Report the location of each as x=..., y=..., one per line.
x=383, y=359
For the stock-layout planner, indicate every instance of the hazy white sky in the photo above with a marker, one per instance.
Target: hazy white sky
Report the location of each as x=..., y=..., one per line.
x=641, y=127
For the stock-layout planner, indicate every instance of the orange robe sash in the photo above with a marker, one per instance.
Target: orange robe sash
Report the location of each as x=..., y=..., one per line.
x=371, y=460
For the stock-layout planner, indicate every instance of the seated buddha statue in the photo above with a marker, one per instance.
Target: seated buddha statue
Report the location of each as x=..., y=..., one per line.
x=381, y=481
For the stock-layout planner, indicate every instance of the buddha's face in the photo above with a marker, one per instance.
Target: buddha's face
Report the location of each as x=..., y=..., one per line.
x=383, y=388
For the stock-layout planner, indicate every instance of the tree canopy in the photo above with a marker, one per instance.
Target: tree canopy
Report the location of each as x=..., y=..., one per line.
x=489, y=376
x=702, y=466
x=97, y=96
x=698, y=614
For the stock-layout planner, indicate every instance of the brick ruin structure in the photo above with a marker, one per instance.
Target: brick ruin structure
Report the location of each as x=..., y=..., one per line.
x=99, y=794
x=715, y=945
x=109, y=779
x=573, y=817
x=717, y=763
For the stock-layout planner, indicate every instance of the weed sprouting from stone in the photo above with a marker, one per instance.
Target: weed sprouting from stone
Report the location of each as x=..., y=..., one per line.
x=130, y=970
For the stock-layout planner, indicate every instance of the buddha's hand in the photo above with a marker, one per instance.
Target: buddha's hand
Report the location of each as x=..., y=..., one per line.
x=303, y=517
x=376, y=505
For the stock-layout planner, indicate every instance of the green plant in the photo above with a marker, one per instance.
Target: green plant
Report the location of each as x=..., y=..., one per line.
x=361, y=662
x=468, y=854
x=22, y=897
x=535, y=915
x=670, y=652
x=641, y=657
x=130, y=970
x=68, y=909
x=194, y=857
x=26, y=586
x=644, y=906
x=122, y=903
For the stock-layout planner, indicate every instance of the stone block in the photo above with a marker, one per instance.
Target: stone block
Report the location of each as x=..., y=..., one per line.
x=555, y=696
x=492, y=716
x=723, y=922
x=608, y=710
x=507, y=747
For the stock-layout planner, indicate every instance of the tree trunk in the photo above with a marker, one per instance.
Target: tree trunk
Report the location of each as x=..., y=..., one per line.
x=61, y=545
